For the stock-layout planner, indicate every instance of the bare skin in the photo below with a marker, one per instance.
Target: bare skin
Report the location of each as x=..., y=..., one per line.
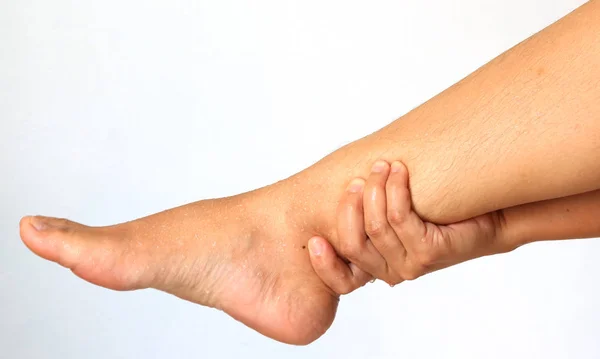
x=235, y=254
x=405, y=247
x=523, y=128
x=246, y=254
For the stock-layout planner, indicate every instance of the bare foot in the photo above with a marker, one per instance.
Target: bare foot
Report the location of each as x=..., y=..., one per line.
x=241, y=254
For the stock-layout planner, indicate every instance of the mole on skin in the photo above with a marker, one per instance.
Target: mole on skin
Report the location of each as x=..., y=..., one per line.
x=540, y=71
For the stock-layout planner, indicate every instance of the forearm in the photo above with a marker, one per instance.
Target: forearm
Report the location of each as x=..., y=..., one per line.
x=562, y=218
x=523, y=128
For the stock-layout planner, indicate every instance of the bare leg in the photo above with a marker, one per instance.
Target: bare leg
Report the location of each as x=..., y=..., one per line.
x=523, y=128
x=236, y=254
x=479, y=146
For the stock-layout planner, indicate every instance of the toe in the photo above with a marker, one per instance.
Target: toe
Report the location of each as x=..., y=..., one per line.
x=37, y=236
x=56, y=239
x=98, y=255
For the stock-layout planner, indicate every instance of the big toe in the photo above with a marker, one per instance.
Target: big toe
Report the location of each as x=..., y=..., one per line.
x=96, y=254
x=50, y=238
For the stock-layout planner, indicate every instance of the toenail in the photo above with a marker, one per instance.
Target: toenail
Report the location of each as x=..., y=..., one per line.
x=38, y=223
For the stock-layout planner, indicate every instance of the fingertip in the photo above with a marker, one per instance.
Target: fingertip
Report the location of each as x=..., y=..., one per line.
x=356, y=185
x=380, y=166
x=379, y=173
x=332, y=270
x=350, y=206
x=398, y=168
x=322, y=253
x=398, y=179
x=316, y=246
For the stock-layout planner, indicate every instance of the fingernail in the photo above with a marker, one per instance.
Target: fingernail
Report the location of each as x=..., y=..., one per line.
x=378, y=167
x=396, y=166
x=315, y=247
x=356, y=185
x=38, y=223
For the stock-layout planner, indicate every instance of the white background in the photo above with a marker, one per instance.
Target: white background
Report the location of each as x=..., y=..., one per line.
x=111, y=110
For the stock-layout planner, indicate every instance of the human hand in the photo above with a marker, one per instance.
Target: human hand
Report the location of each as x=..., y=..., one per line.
x=379, y=232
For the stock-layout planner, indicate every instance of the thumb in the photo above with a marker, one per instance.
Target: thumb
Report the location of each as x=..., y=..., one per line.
x=338, y=275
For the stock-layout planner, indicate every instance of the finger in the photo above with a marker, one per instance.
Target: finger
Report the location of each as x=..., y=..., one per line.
x=377, y=226
x=408, y=226
x=353, y=243
x=341, y=277
x=463, y=241
x=459, y=242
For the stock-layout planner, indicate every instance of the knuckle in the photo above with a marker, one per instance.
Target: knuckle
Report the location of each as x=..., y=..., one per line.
x=395, y=216
x=393, y=275
x=351, y=250
x=345, y=288
x=412, y=271
x=389, y=281
x=359, y=282
x=374, y=228
x=411, y=274
x=394, y=280
x=509, y=247
x=427, y=256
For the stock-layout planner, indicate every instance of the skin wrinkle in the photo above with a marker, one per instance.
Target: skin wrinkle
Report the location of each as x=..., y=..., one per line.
x=242, y=254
